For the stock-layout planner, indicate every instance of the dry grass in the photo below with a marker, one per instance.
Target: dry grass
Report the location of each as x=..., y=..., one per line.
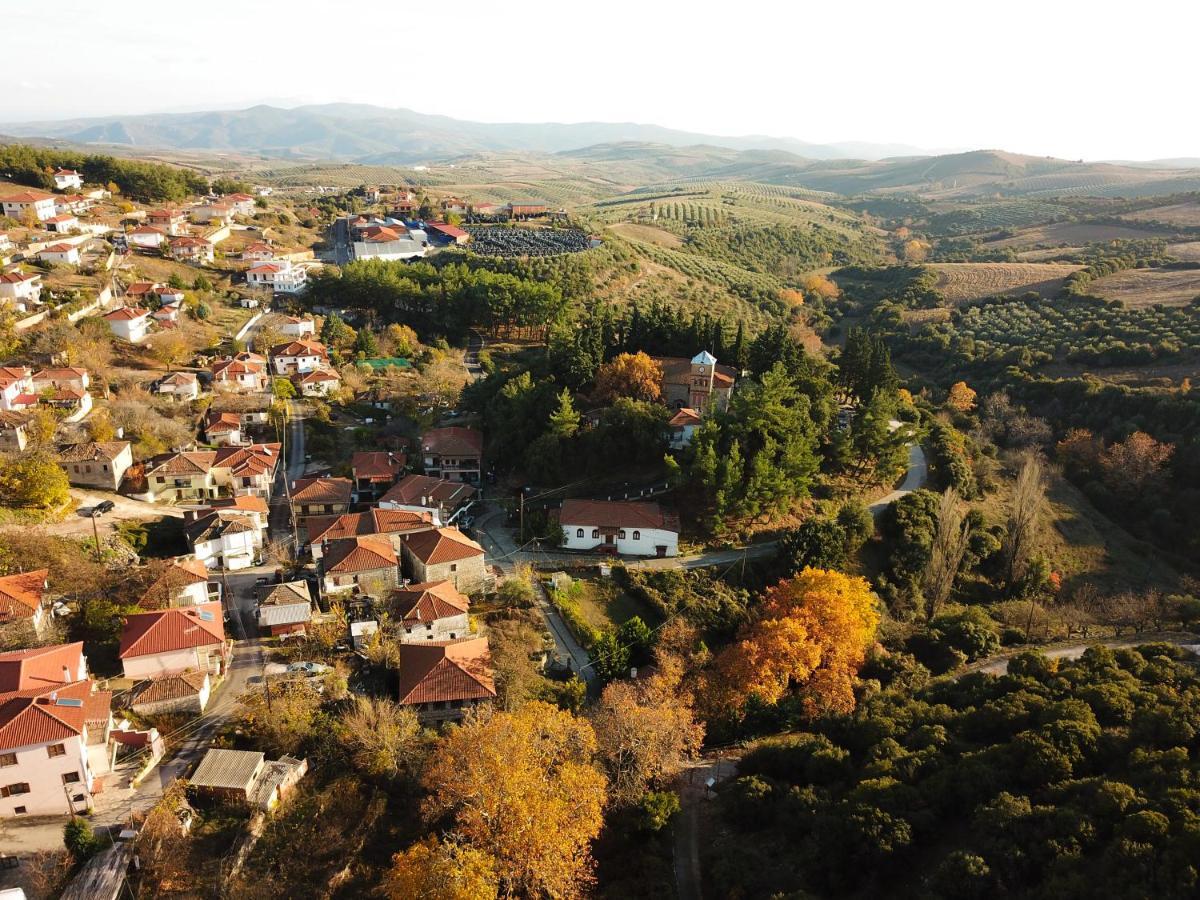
x=1074, y=234
x=1183, y=214
x=960, y=282
x=1043, y=255
x=1189, y=251
x=1147, y=287
x=647, y=233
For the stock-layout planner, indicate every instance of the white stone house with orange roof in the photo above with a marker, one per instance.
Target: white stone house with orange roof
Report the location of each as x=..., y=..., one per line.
x=67, y=180
x=22, y=289
x=187, y=248
x=183, y=582
x=129, y=323
x=298, y=357
x=97, y=464
x=62, y=254
x=149, y=237
x=318, y=383
x=259, y=251
x=54, y=731
x=244, y=372
x=225, y=539
x=16, y=388
x=16, y=204
x=612, y=526
x=181, y=387
x=297, y=326
x=173, y=640
x=281, y=276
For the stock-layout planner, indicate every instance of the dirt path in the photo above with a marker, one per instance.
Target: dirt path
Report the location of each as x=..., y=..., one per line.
x=998, y=665
x=694, y=792
x=124, y=509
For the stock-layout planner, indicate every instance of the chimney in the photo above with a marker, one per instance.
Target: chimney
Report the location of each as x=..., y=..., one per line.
x=66, y=674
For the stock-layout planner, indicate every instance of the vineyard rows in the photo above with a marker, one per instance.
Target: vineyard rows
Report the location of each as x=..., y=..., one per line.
x=749, y=285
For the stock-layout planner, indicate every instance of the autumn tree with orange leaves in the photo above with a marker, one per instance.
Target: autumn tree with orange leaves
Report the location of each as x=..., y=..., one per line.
x=961, y=398
x=1136, y=466
x=633, y=375
x=433, y=870
x=521, y=788
x=810, y=636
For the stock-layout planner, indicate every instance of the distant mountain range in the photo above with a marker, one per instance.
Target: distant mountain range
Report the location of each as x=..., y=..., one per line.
x=377, y=135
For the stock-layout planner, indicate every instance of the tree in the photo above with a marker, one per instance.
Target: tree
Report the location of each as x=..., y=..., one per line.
x=951, y=538
x=366, y=344
x=282, y=389
x=961, y=397
x=820, y=286
x=810, y=633
x=564, y=421
x=384, y=737
x=1024, y=521
x=335, y=332
x=442, y=870
x=400, y=340
x=645, y=730
x=631, y=375
x=80, y=839
x=171, y=348
x=1135, y=467
x=34, y=480
x=521, y=787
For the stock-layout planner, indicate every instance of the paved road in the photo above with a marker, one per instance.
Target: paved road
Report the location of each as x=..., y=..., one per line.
x=339, y=236
x=914, y=478
x=471, y=357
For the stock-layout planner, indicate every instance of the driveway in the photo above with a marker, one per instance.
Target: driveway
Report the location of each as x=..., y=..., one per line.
x=914, y=478
x=124, y=509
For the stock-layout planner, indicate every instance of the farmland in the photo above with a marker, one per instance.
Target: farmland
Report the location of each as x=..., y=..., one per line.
x=647, y=233
x=1148, y=287
x=962, y=282
x=1188, y=251
x=1075, y=233
x=1186, y=214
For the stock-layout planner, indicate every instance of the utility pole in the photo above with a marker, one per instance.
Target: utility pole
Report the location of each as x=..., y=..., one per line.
x=521, y=535
x=96, y=532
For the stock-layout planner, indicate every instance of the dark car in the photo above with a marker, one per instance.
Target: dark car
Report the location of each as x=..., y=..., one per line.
x=104, y=506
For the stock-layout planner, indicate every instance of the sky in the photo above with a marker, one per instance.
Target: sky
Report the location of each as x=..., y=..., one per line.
x=1094, y=80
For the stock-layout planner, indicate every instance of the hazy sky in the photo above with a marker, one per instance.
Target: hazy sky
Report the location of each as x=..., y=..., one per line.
x=1097, y=80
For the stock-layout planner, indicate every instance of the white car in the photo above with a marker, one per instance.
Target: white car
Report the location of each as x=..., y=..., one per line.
x=308, y=668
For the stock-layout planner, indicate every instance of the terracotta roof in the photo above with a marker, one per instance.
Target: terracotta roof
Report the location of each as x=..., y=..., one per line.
x=320, y=375
x=436, y=671
x=428, y=601
x=448, y=230
x=26, y=197
x=322, y=490
x=300, y=347
x=678, y=370
x=179, y=686
x=126, y=313
x=453, y=441
x=372, y=521
x=37, y=667
x=416, y=490
x=10, y=374
x=65, y=217
x=21, y=594
x=685, y=416
x=184, y=462
x=66, y=373
x=285, y=593
x=266, y=267
x=222, y=423
x=616, y=514
x=13, y=419
x=187, y=240
x=359, y=554
x=93, y=450
x=58, y=248
x=218, y=523
x=148, y=229
x=50, y=714
x=166, y=630
x=244, y=502
x=234, y=366
x=17, y=277
x=254, y=459
x=442, y=545
x=178, y=379
x=257, y=247
x=181, y=573
x=66, y=172
x=378, y=465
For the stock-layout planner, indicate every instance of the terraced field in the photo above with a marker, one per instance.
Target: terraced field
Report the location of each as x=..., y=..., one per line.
x=1147, y=287
x=648, y=234
x=1188, y=251
x=963, y=282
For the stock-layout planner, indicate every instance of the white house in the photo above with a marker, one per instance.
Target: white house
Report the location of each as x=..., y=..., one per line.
x=225, y=538
x=21, y=288
x=297, y=326
x=241, y=204
x=67, y=179
x=166, y=641
x=184, y=582
x=298, y=357
x=67, y=254
x=318, y=383
x=16, y=388
x=43, y=205
x=281, y=276
x=182, y=387
x=683, y=427
x=171, y=221
x=244, y=372
x=97, y=464
x=130, y=323
x=388, y=243
x=606, y=526
x=259, y=251
x=191, y=249
x=62, y=224
x=150, y=237
x=54, y=739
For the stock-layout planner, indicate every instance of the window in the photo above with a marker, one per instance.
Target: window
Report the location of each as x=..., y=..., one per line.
x=70, y=777
x=453, y=567
x=621, y=534
x=9, y=790
x=8, y=759
x=76, y=469
x=578, y=532
x=56, y=750
x=18, y=810
x=429, y=626
x=637, y=535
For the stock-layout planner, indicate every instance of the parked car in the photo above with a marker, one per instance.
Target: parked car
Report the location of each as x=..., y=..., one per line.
x=104, y=506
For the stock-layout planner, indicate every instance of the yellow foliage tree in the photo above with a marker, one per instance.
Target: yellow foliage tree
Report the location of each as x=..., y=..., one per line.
x=961, y=397
x=820, y=285
x=430, y=870
x=915, y=251
x=632, y=375
x=791, y=297
x=521, y=787
x=810, y=634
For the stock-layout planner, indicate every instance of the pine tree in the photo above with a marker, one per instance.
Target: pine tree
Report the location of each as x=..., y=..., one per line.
x=564, y=421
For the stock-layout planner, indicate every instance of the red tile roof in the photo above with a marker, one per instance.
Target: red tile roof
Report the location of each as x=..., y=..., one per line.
x=185, y=462
x=179, y=686
x=419, y=490
x=166, y=630
x=48, y=715
x=126, y=313
x=244, y=502
x=21, y=594
x=452, y=231
x=428, y=601
x=453, y=441
x=10, y=374
x=377, y=465
x=37, y=667
x=442, y=545
x=322, y=490
x=436, y=671
x=359, y=554
x=300, y=347
x=58, y=248
x=17, y=277
x=373, y=521
x=93, y=450
x=616, y=514
x=222, y=423
x=26, y=197
x=685, y=416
